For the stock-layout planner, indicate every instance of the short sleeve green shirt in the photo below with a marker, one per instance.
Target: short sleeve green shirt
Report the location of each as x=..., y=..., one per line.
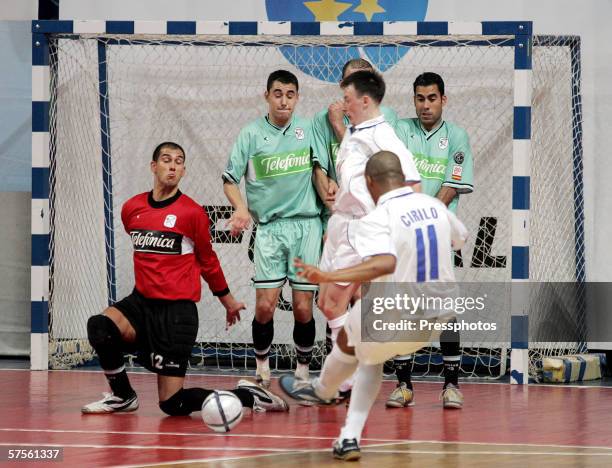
x=443, y=156
x=277, y=165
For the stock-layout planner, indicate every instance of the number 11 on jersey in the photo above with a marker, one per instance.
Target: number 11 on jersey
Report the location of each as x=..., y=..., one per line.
x=423, y=253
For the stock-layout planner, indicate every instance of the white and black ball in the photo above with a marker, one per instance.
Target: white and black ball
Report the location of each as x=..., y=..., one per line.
x=221, y=411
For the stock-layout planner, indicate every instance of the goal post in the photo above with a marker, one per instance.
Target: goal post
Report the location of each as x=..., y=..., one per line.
x=104, y=93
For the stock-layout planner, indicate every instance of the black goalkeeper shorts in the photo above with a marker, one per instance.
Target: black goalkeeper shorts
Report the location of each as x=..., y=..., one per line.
x=165, y=332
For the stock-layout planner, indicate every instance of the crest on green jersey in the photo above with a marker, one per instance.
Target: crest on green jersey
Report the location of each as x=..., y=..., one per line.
x=430, y=168
x=459, y=157
x=275, y=165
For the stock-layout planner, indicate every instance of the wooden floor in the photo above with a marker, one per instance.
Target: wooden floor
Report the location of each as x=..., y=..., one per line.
x=500, y=425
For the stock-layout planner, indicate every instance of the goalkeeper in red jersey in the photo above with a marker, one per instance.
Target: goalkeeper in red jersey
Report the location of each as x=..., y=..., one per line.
x=159, y=319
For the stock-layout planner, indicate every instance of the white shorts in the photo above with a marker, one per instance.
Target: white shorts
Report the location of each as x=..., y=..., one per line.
x=372, y=352
x=338, y=252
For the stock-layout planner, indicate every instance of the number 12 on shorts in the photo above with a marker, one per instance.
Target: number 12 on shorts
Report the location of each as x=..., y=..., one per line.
x=157, y=361
x=423, y=253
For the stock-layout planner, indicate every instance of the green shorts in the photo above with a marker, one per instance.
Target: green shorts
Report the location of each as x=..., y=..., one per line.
x=277, y=243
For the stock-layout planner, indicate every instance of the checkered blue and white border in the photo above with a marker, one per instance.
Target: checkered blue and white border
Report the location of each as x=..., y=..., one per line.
x=522, y=32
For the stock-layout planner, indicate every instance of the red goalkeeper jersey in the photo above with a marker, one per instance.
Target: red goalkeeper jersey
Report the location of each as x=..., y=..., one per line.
x=172, y=248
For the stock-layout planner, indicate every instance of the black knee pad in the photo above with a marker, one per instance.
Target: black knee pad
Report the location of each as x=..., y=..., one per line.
x=184, y=402
x=102, y=331
x=105, y=338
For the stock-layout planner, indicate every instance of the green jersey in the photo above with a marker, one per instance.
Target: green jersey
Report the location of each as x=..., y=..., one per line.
x=443, y=156
x=277, y=163
x=326, y=144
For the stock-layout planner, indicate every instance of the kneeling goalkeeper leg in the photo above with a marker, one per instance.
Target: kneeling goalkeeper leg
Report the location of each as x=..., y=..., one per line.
x=105, y=338
x=188, y=400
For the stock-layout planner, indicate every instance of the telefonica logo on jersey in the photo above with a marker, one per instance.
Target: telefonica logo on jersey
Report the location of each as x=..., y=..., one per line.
x=282, y=164
x=430, y=168
x=309, y=59
x=161, y=242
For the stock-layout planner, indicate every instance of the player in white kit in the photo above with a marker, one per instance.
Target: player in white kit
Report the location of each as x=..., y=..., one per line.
x=407, y=238
x=369, y=133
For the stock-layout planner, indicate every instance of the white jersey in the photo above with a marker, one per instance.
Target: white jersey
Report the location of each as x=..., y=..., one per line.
x=417, y=229
x=359, y=144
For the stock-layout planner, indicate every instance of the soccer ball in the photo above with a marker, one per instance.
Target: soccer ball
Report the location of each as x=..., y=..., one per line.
x=221, y=411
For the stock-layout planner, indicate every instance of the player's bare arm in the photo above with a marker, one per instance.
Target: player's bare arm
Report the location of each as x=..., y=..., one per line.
x=321, y=183
x=335, y=115
x=232, y=309
x=241, y=219
x=371, y=268
x=332, y=189
x=446, y=194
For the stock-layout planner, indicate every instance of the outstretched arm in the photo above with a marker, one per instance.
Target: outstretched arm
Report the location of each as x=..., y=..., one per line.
x=232, y=309
x=373, y=267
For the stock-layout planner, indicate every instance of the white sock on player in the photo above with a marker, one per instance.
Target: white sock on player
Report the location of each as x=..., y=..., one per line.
x=367, y=384
x=338, y=366
x=336, y=325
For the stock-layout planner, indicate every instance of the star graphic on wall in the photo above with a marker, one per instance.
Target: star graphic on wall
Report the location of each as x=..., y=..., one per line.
x=369, y=8
x=327, y=10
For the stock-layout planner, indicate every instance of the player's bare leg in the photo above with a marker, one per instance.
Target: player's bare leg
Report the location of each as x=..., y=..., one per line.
x=168, y=385
x=107, y=333
x=334, y=300
x=263, y=331
x=303, y=331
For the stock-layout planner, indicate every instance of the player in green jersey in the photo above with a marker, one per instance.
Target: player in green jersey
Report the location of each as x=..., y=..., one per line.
x=443, y=157
x=274, y=155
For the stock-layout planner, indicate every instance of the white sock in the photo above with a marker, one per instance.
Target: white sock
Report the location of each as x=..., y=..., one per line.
x=336, y=325
x=263, y=367
x=337, y=367
x=367, y=384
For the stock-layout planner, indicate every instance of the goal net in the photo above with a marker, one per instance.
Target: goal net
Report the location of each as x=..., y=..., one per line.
x=115, y=97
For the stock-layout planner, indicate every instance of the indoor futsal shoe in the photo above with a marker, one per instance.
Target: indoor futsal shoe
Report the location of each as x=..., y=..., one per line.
x=265, y=400
x=400, y=397
x=111, y=404
x=452, y=398
x=346, y=449
x=301, y=390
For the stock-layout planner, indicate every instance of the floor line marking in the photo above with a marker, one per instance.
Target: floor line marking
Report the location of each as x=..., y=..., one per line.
x=278, y=436
x=156, y=447
x=474, y=452
x=494, y=381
